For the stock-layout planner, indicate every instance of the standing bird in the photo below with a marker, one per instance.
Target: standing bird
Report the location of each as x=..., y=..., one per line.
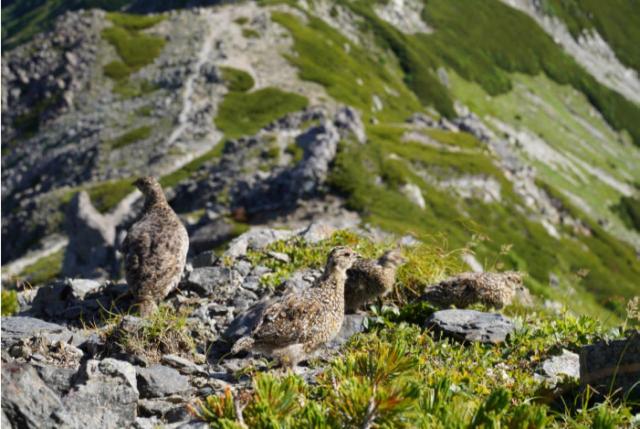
x=491, y=289
x=155, y=249
x=291, y=326
x=368, y=279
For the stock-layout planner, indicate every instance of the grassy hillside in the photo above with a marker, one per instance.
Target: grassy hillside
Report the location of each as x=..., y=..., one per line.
x=488, y=228
x=617, y=21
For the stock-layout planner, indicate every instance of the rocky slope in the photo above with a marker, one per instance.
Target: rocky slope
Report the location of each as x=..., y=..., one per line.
x=75, y=357
x=401, y=117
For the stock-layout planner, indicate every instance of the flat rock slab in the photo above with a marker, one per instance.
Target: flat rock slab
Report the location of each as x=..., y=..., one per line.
x=15, y=328
x=471, y=325
x=159, y=380
x=612, y=367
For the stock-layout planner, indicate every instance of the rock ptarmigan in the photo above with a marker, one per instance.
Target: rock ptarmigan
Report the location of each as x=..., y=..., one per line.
x=155, y=249
x=368, y=279
x=295, y=324
x=491, y=289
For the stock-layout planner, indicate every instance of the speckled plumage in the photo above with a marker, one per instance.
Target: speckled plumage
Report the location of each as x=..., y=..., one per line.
x=368, y=279
x=297, y=323
x=155, y=249
x=491, y=289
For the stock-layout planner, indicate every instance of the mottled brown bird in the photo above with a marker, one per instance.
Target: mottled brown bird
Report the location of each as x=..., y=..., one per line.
x=368, y=279
x=295, y=324
x=491, y=289
x=155, y=249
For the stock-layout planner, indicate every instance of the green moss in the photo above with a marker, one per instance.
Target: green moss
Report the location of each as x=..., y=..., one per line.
x=629, y=211
x=296, y=152
x=44, y=269
x=133, y=22
x=146, y=111
x=9, y=303
x=117, y=70
x=250, y=33
x=236, y=79
x=246, y=113
x=241, y=20
x=133, y=89
x=106, y=195
x=28, y=124
x=130, y=137
x=136, y=49
x=189, y=169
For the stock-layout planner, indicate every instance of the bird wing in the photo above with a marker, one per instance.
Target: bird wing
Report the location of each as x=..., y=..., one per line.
x=153, y=255
x=289, y=319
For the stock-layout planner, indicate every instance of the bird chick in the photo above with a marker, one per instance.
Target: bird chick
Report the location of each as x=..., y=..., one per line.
x=155, y=249
x=293, y=325
x=491, y=289
x=368, y=279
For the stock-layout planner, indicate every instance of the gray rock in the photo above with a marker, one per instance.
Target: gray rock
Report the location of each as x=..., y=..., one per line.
x=194, y=424
x=279, y=256
x=555, y=368
x=211, y=235
x=316, y=232
x=471, y=325
x=27, y=401
x=256, y=238
x=19, y=327
x=218, y=281
x=58, y=379
x=204, y=259
x=105, y=395
x=302, y=279
x=348, y=119
x=612, y=367
x=352, y=324
x=5, y=423
x=79, y=288
x=159, y=380
x=185, y=366
x=167, y=411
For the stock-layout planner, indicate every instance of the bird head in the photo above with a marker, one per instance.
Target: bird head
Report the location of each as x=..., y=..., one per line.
x=341, y=257
x=150, y=188
x=514, y=278
x=392, y=258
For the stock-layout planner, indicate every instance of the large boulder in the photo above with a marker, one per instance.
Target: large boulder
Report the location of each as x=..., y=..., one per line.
x=256, y=238
x=105, y=395
x=159, y=380
x=471, y=325
x=27, y=401
x=19, y=327
x=612, y=367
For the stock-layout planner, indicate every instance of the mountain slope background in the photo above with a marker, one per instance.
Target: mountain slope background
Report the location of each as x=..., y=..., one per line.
x=507, y=130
